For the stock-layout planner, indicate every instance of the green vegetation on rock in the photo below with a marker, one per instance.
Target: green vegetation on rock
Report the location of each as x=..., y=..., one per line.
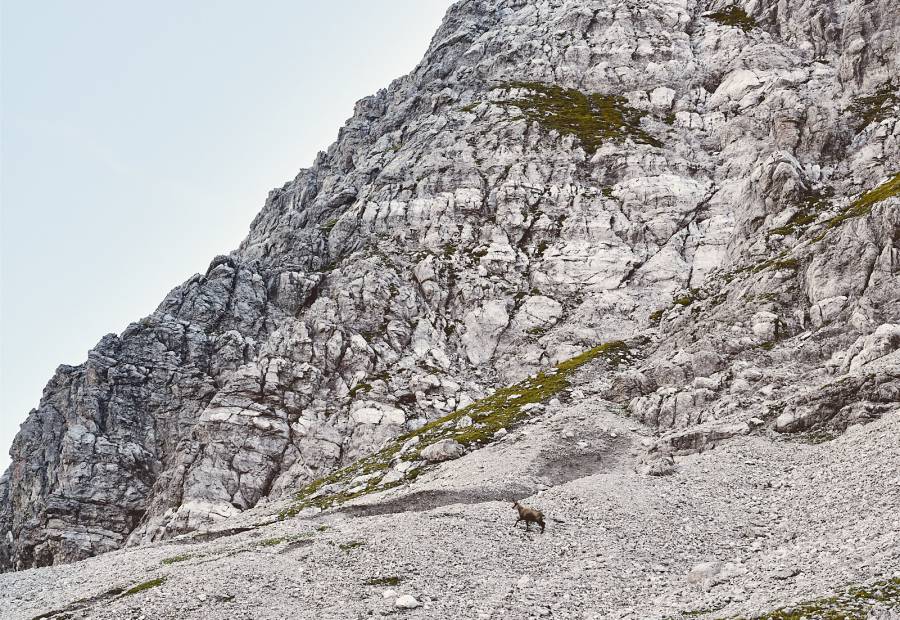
x=853, y=603
x=177, y=558
x=384, y=581
x=153, y=583
x=592, y=118
x=812, y=204
x=734, y=16
x=359, y=387
x=686, y=299
x=501, y=410
x=876, y=107
x=863, y=205
x=348, y=546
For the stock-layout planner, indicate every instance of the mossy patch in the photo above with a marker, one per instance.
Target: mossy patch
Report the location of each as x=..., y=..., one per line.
x=686, y=299
x=854, y=602
x=734, y=16
x=384, y=581
x=501, y=410
x=876, y=107
x=290, y=538
x=778, y=263
x=359, y=387
x=178, y=558
x=592, y=118
x=863, y=205
x=349, y=546
x=147, y=585
x=813, y=203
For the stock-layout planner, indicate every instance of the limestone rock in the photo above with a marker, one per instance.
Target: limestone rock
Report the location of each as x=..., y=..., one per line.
x=443, y=450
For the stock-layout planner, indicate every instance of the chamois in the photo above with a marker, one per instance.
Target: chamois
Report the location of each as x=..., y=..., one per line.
x=529, y=516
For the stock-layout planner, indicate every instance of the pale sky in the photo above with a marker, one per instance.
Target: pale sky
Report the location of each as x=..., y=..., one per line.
x=139, y=139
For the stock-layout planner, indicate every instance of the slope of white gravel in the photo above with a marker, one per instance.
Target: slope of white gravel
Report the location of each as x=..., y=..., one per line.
x=787, y=521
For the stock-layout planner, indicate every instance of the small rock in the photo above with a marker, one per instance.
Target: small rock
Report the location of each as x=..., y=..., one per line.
x=392, y=477
x=704, y=572
x=657, y=465
x=786, y=573
x=501, y=433
x=406, y=602
x=444, y=450
x=389, y=593
x=523, y=581
x=464, y=422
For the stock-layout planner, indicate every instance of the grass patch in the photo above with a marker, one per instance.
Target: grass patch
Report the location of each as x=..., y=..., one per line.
x=147, y=585
x=274, y=542
x=592, y=118
x=854, y=602
x=686, y=299
x=863, y=205
x=814, y=438
x=384, y=581
x=876, y=107
x=349, y=546
x=734, y=16
x=813, y=203
x=359, y=387
x=777, y=263
x=501, y=410
x=177, y=558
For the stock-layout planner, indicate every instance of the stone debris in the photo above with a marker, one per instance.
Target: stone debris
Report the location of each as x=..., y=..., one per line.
x=713, y=190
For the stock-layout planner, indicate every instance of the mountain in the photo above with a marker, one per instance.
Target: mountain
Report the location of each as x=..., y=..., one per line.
x=581, y=240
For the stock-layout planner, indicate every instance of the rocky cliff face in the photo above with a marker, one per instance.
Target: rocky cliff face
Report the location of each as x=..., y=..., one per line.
x=715, y=183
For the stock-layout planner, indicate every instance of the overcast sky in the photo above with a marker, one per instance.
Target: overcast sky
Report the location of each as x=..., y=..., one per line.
x=139, y=139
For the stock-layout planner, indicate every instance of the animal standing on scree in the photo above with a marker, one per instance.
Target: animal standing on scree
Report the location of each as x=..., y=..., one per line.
x=529, y=516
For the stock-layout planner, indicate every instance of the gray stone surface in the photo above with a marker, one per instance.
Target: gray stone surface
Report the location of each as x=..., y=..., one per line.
x=447, y=244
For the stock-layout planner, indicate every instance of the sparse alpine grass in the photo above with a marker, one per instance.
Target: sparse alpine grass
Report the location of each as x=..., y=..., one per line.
x=146, y=585
x=863, y=205
x=874, y=108
x=501, y=410
x=384, y=581
x=734, y=16
x=854, y=602
x=592, y=118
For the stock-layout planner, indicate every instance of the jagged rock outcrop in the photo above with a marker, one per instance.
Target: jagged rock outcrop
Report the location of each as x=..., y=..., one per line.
x=552, y=175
